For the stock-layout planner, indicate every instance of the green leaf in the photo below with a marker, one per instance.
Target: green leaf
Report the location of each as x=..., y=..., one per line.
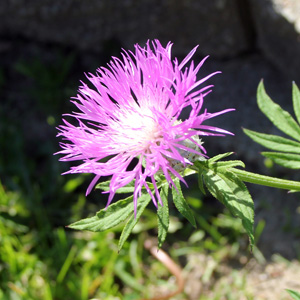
x=163, y=218
x=201, y=185
x=188, y=172
x=141, y=205
x=279, y=117
x=220, y=165
x=232, y=192
x=220, y=156
x=110, y=217
x=295, y=295
x=128, y=188
x=273, y=142
x=296, y=101
x=242, y=206
x=225, y=165
x=287, y=160
x=181, y=203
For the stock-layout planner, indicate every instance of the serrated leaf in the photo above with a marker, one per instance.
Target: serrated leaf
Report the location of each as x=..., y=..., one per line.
x=128, y=188
x=296, y=101
x=279, y=117
x=232, y=192
x=188, y=172
x=163, y=218
x=181, y=204
x=288, y=160
x=201, y=185
x=141, y=205
x=295, y=295
x=273, y=142
x=220, y=166
x=225, y=165
x=220, y=156
x=108, y=218
x=243, y=206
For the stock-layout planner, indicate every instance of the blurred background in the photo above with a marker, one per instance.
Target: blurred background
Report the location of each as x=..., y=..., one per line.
x=45, y=49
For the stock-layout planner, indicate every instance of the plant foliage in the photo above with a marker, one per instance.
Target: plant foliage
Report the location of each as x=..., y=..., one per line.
x=286, y=151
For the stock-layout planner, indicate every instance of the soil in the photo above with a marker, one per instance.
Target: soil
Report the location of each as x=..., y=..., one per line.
x=256, y=281
x=205, y=278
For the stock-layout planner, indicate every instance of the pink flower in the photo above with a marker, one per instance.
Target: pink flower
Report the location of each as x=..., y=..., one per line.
x=129, y=125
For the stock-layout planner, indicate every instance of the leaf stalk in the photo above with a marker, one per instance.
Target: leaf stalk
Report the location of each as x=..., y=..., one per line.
x=267, y=180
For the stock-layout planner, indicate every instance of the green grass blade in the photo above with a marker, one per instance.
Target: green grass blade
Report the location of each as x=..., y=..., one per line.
x=163, y=218
x=127, y=278
x=295, y=295
x=287, y=160
x=211, y=229
x=67, y=264
x=273, y=142
x=135, y=259
x=279, y=117
x=296, y=101
x=48, y=293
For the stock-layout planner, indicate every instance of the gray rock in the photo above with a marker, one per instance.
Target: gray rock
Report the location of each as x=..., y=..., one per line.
x=215, y=25
x=222, y=28
x=277, y=25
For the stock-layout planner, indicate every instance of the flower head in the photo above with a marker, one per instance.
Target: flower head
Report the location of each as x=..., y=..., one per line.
x=129, y=124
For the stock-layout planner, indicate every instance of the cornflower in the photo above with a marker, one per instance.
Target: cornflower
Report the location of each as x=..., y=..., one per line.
x=129, y=124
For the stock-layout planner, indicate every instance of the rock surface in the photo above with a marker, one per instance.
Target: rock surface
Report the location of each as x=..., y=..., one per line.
x=222, y=28
x=215, y=25
x=277, y=25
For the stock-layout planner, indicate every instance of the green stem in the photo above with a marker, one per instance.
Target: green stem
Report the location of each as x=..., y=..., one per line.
x=266, y=180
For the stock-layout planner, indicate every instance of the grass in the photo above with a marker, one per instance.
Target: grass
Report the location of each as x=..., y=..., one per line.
x=41, y=259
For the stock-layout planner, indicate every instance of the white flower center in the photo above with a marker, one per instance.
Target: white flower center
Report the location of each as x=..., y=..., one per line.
x=136, y=130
